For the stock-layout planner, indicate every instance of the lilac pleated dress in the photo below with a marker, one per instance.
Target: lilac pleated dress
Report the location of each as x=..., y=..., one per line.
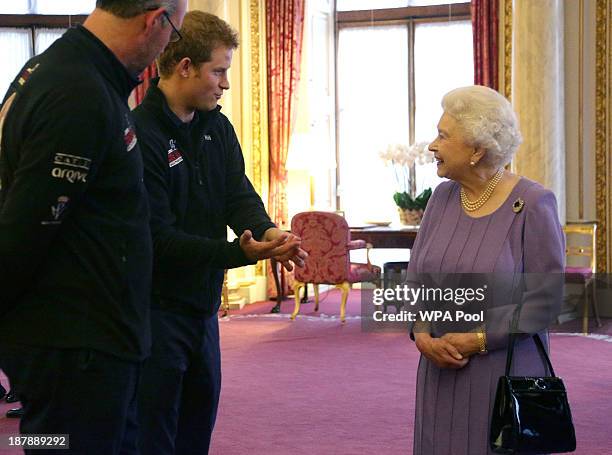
x=453, y=407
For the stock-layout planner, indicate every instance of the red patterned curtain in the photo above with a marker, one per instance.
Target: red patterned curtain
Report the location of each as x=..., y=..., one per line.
x=485, y=26
x=284, y=33
x=284, y=28
x=139, y=92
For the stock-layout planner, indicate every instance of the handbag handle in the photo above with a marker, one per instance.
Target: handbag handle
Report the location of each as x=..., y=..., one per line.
x=512, y=341
x=541, y=349
x=514, y=330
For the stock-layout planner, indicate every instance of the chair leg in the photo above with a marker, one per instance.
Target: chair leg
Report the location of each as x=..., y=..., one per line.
x=345, y=287
x=296, y=291
x=316, y=294
x=585, y=312
x=594, y=301
x=225, y=294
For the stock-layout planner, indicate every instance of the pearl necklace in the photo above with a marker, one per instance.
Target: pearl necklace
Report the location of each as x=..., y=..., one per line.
x=471, y=206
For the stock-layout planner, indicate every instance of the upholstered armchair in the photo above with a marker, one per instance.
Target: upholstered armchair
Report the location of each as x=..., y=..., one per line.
x=326, y=238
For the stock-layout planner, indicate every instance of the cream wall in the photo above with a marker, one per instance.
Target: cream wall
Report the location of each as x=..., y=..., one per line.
x=588, y=116
x=556, y=59
x=538, y=93
x=580, y=203
x=583, y=121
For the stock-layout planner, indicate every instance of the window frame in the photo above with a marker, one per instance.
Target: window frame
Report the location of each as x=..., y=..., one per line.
x=37, y=21
x=409, y=16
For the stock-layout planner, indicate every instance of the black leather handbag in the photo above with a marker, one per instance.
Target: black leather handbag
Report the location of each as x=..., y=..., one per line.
x=531, y=415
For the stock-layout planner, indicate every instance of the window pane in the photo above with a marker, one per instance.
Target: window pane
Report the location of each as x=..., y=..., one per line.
x=65, y=6
x=348, y=5
x=15, y=50
x=45, y=37
x=373, y=113
x=435, y=2
x=14, y=7
x=443, y=60
x=321, y=106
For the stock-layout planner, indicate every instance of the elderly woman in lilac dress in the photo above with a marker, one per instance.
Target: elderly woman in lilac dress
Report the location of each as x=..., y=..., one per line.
x=485, y=219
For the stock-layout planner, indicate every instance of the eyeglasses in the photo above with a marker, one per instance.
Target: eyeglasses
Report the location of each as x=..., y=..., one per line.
x=175, y=35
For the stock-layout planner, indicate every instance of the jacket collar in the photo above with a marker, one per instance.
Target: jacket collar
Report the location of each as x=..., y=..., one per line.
x=105, y=61
x=155, y=100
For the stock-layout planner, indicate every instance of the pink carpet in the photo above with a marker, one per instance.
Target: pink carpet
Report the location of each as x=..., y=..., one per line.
x=315, y=386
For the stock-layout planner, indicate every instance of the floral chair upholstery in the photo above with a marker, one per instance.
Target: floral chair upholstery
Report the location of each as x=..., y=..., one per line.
x=326, y=238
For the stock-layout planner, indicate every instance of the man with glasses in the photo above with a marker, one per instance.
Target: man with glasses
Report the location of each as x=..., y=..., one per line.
x=175, y=35
x=195, y=177
x=75, y=248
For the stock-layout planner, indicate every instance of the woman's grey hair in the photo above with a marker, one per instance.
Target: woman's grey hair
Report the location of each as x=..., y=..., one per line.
x=487, y=120
x=130, y=8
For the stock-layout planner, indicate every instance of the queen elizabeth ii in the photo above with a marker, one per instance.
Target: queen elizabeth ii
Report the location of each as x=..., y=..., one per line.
x=484, y=219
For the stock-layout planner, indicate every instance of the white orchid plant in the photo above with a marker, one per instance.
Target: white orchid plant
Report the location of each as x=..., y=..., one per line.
x=401, y=159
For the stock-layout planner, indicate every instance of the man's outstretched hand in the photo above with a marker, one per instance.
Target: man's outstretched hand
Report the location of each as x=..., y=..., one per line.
x=295, y=255
x=277, y=244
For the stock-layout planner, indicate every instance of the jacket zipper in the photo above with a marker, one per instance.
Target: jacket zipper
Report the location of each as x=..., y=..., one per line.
x=199, y=172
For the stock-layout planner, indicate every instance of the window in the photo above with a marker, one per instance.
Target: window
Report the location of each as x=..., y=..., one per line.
x=352, y=5
x=28, y=27
x=443, y=57
x=45, y=37
x=15, y=50
x=393, y=67
x=64, y=6
x=47, y=6
x=372, y=113
x=311, y=161
x=15, y=7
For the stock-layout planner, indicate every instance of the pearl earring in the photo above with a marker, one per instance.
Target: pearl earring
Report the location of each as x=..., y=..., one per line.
x=472, y=163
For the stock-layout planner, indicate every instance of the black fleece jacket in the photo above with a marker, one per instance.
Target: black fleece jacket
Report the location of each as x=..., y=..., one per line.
x=195, y=177
x=75, y=247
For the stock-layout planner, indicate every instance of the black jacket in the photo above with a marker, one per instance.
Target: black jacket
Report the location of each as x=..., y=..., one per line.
x=75, y=248
x=194, y=173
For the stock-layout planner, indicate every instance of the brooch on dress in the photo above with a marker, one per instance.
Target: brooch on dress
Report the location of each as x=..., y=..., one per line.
x=518, y=205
